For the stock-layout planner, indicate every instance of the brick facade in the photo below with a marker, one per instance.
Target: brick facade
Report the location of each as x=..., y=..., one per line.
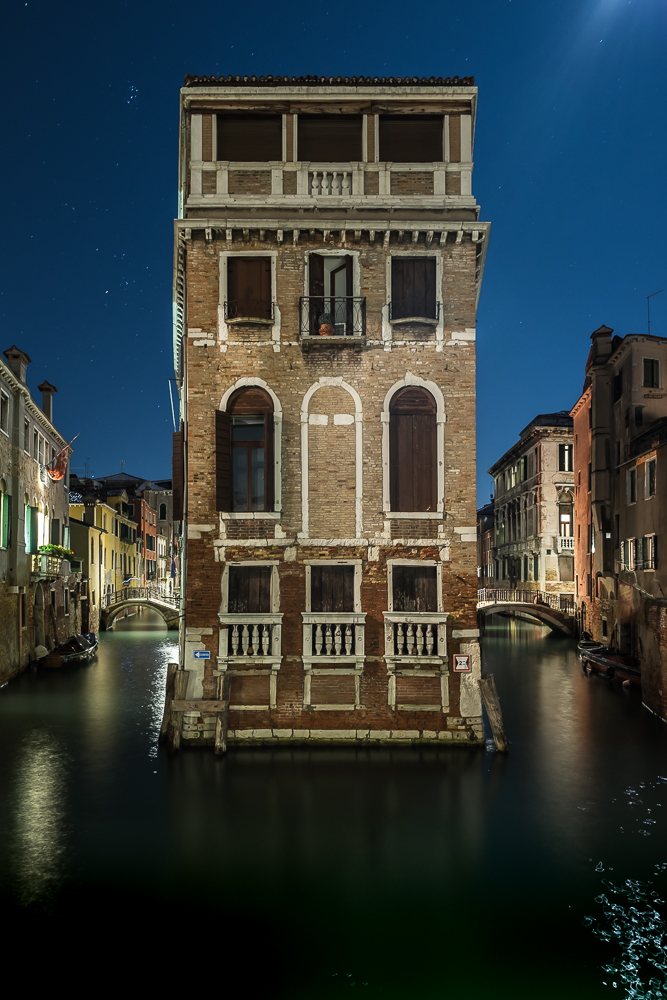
x=332, y=426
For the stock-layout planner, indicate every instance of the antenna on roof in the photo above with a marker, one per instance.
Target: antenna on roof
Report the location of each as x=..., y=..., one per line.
x=648, y=308
x=122, y=463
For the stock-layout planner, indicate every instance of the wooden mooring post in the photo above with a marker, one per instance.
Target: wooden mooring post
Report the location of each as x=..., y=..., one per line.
x=487, y=686
x=175, y=704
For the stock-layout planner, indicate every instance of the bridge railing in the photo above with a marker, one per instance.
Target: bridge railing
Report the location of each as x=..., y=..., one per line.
x=559, y=602
x=128, y=594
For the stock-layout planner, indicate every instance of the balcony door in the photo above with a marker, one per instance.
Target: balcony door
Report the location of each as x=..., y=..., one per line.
x=330, y=291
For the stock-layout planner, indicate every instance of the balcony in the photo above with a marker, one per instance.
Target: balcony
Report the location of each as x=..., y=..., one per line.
x=45, y=567
x=565, y=544
x=332, y=636
x=330, y=183
x=326, y=320
x=419, y=637
x=251, y=638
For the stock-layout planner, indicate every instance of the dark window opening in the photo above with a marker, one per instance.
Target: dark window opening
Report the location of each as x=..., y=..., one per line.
x=412, y=451
x=330, y=309
x=331, y=588
x=651, y=373
x=618, y=386
x=639, y=416
x=565, y=458
x=411, y=138
x=250, y=138
x=163, y=512
x=413, y=291
x=249, y=289
x=414, y=588
x=249, y=590
x=329, y=138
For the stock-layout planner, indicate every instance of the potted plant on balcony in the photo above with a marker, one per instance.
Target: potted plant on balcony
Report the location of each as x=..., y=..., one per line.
x=326, y=322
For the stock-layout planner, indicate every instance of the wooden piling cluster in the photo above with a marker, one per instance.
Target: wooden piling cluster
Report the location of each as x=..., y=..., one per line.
x=487, y=686
x=175, y=704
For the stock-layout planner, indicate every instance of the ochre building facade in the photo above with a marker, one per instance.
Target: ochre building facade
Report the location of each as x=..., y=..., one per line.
x=328, y=262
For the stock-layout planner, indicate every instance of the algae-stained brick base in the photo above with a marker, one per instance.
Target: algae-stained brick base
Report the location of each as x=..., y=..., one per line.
x=325, y=302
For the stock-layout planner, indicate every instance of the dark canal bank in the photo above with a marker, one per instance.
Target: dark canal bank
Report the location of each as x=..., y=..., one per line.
x=307, y=874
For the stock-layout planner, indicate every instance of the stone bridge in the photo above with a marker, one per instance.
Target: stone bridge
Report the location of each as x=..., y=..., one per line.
x=554, y=610
x=141, y=597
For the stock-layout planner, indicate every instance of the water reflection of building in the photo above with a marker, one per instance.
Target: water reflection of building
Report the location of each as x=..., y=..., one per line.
x=533, y=508
x=620, y=455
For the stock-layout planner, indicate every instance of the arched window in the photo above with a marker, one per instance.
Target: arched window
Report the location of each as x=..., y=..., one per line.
x=566, y=515
x=163, y=512
x=244, y=452
x=412, y=451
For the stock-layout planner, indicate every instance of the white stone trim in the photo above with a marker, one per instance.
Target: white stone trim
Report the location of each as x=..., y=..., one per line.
x=340, y=251
x=223, y=329
x=440, y=417
x=327, y=380
x=259, y=383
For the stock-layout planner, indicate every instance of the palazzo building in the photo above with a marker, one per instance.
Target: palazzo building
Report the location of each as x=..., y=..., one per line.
x=328, y=258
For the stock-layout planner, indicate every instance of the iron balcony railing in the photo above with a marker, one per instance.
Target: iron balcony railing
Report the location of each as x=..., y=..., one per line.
x=249, y=310
x=408, y=309
x=333, y=316
x=559, y=602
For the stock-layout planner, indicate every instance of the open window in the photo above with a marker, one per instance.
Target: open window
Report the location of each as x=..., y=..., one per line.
x=249, y=291
x=330, y=138
x=411, y=138
x=413, y=290
x=331, y=309
x=414, y=588
x=413, y=451
x=244, y=452
x=250, y=138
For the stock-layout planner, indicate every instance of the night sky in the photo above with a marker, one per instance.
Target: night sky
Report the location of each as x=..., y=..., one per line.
x=570, y=170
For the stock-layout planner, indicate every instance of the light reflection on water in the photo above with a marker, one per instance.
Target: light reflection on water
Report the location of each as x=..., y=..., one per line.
x=432, y=873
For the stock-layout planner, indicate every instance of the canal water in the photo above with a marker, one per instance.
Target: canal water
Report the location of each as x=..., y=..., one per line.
x=428, y=874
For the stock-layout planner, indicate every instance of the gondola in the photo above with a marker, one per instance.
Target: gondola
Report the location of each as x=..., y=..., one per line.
x=77, y=649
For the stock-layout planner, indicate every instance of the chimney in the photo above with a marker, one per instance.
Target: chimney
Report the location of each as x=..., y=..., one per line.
x=601, y=348
x=18, y=362
x=47, y=390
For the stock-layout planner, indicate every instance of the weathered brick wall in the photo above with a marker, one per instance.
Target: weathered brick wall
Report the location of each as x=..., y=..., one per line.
x=214, y=366
x=249, y=182
x=417, y=182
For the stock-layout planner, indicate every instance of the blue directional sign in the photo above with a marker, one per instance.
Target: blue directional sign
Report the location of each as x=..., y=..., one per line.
x=202, y=654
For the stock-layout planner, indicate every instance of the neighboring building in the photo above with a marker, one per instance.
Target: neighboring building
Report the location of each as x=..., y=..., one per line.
x=328, y=261
x=86, y=540
x=117, y=555
x=39, y=594
x=620, y=455
x=533, y=508
x=485, y=545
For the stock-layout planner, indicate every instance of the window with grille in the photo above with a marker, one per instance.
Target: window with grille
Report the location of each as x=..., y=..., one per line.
x=414, y=588
x=250, y=138
x=413, y=288
x=412, y=451
x=249, y=292
x=329, y=138
x=412, y=138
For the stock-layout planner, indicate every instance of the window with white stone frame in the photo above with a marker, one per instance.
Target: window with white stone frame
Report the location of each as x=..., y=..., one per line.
x=413, y=429
x=4, y=412
x=333, y=632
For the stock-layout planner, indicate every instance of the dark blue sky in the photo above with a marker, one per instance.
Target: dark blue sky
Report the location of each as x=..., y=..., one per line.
x=570, y=170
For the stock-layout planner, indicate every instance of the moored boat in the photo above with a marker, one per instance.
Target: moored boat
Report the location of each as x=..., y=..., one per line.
x=613, y=665
x=77, y=649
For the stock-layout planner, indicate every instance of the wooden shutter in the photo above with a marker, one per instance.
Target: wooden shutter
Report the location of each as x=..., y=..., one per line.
x=329, y=138
x=249, y=590
x=223, y=492
x=177, y=476
x=249, y=288
x=269, y=462
x=414, y=588
x=413, y=451
x=455, y=138
x=331, y=589
x=413, y=287
x=316, y=274
x=250, y=138
x=411, y=138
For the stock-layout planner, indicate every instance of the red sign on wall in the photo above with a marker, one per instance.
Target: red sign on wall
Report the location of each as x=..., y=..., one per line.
x=462, y=663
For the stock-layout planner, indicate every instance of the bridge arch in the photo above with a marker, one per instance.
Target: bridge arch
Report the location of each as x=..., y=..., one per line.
x=166, y=607
x=556, y=620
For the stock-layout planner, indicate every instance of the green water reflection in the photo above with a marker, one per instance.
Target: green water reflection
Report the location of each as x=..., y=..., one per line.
x=310, y=873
